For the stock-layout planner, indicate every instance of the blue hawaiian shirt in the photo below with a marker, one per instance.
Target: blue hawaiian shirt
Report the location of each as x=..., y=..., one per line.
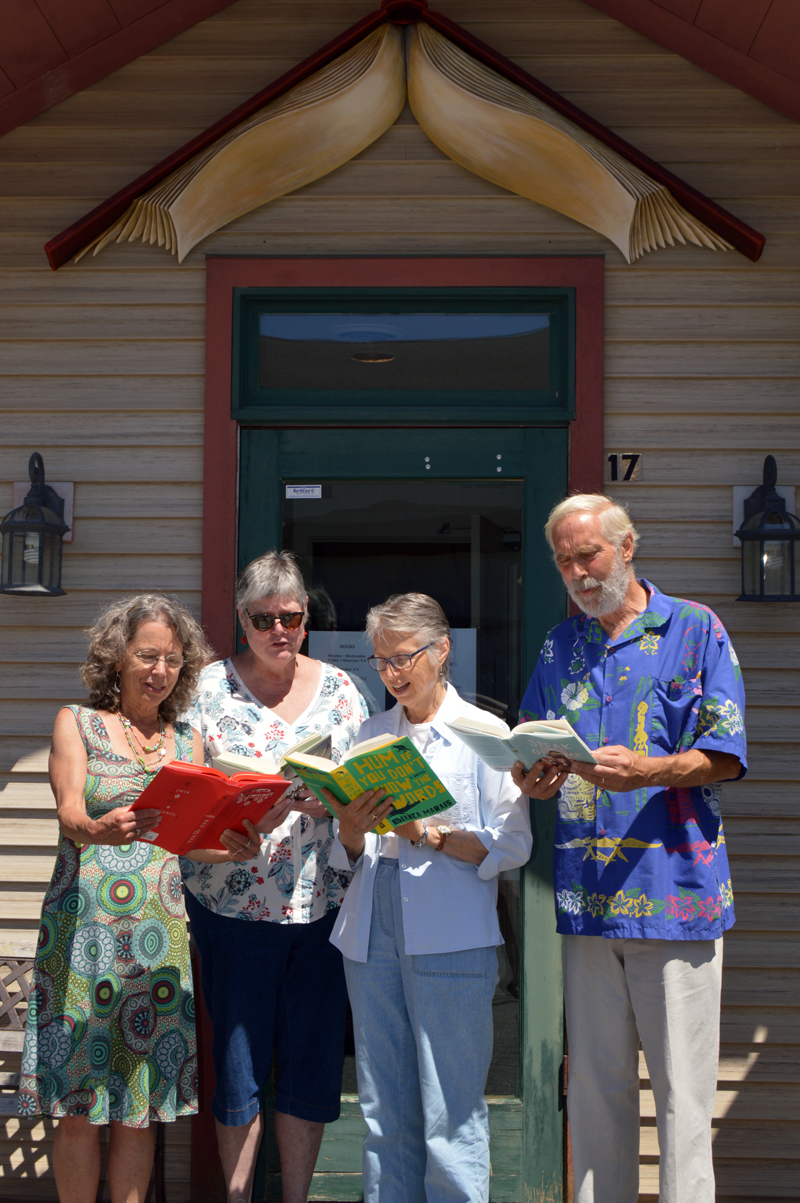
x=649, y=862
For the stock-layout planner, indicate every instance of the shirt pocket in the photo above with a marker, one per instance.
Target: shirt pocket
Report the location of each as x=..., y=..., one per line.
x=462, y=787
x=675, y=708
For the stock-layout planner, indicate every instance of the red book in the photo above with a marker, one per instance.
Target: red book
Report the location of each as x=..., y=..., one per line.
x=198, y=803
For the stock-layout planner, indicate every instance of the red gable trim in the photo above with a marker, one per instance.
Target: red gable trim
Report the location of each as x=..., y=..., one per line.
x=106, y=55
x=690, y=36
x=747, y=240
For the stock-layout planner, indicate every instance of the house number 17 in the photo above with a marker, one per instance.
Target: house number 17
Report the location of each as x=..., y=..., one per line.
x=624, y=466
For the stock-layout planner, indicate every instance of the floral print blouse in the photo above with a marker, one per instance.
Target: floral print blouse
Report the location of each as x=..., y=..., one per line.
x=651, y=862
x=291, y=881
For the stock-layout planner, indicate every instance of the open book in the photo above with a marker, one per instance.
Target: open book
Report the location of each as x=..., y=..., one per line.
x=313, y=745
x=500, y=747
x=386, y=762
x=477, y=117
x=198, y=803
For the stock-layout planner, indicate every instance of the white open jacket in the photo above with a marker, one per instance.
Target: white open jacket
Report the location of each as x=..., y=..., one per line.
x=448, y=905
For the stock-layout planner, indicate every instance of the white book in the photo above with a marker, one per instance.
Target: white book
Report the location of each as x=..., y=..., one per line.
x=500, y=747
x=313, y=745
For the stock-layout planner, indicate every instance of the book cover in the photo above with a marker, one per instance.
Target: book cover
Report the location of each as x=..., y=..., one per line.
x=397, y=766
x=198, y=803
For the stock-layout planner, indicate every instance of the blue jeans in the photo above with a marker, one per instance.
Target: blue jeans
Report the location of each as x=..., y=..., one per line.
x=423, y=1027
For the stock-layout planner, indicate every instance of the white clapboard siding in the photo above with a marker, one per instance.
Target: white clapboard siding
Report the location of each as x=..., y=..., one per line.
x=102, y=368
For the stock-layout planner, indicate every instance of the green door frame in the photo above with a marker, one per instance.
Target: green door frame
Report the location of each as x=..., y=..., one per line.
x=527, y=1133
x=580, y=460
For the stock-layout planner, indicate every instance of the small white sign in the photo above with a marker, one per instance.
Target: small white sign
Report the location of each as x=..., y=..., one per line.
x=303, y=491
x=348, y=650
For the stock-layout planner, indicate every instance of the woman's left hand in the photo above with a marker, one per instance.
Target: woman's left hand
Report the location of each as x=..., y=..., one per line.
x=241, y=845
x=309, y=804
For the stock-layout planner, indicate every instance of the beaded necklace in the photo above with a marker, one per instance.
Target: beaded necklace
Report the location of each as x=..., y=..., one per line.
x=159, y=748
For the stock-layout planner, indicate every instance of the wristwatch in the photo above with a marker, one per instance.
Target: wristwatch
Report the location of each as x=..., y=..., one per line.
x=444, y=832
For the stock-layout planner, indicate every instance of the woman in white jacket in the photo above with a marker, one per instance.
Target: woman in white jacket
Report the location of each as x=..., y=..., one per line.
x=419, y=930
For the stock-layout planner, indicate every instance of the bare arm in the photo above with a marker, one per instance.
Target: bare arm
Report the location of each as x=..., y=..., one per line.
x=618, y=769
x=68, y=765
x=461, y=845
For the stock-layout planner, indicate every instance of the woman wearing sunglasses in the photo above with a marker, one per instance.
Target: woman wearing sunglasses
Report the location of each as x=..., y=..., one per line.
x=419, y=930
x=272, y=981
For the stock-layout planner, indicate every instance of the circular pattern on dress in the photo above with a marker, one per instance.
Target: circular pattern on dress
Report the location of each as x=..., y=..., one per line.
x=188, y=1007
x=165, y=990
x=92, y=950
x=27, y=1103
x=119, y=1097
x=75, y=901
x=148, y=1077
x=65, y=870
x=123, y=858
x=150, y=942
x=48, y=935
x=122, y=895
x=105, y=995
x=137, y=1021
x=187, y=1082
x=40, y=1003
x=75, y=1020
x=169, y=889
x=170, y=1054
x=99, y=1050
x=55, y=1044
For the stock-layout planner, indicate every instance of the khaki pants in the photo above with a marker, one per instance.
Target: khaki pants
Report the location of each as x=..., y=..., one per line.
x=666, y=993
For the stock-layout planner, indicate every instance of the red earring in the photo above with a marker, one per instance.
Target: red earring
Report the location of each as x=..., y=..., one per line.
x=244, y=639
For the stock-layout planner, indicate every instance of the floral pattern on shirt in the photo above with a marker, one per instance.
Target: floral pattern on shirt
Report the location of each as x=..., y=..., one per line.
x=290, y=881
x=649, y=862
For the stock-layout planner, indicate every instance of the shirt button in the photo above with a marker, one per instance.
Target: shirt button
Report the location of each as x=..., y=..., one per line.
x=405, y=900
x=608, y=697
x=605, y=741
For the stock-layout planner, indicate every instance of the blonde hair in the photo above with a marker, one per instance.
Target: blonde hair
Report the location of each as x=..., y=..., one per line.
x=614, y=518
x=413, y=614
x=112, y=631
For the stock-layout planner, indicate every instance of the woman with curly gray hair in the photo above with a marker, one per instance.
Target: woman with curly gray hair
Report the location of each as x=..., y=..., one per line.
x=110, y=1031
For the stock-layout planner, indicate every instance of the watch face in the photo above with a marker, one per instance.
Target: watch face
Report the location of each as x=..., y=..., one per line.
x=445, y=830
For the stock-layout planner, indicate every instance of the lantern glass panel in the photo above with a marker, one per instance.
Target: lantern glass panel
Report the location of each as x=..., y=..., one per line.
x=751, y=549
x=776, y=568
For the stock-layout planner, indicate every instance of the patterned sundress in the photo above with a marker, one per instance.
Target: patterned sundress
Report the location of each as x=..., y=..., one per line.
x=110, y=1028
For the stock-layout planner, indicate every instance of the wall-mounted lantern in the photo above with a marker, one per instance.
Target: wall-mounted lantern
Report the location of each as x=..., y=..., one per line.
x=32, y=535
x=770, y=538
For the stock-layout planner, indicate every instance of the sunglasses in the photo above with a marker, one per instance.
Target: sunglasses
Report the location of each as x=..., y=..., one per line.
x=265, y=622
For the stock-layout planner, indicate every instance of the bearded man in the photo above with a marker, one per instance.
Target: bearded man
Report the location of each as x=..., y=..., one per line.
x=643, y=894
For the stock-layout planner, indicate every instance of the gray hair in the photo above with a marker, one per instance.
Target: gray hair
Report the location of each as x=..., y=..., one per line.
x=275, y=574
x=615, y=520
x=112, y=631
x=413, y=614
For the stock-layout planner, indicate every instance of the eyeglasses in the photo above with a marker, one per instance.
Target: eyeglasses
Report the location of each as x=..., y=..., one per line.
x=400, y=661
x=152, y=658
x=265, y=622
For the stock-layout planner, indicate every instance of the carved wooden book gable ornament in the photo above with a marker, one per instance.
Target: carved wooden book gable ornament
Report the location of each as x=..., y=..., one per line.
x=479, y=109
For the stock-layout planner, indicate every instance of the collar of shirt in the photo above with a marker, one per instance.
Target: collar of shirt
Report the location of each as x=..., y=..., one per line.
x=656, y=614
x=450, y=708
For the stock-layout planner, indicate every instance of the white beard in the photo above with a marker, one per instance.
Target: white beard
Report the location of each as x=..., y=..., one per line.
x=613, y=590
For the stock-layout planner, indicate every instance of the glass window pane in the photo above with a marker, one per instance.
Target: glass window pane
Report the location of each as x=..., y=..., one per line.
x=358, y=351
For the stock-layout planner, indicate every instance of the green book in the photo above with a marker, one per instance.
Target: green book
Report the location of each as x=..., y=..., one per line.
x=386, y=762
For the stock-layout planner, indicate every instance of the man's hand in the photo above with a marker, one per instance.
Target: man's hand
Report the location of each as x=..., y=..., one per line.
x=616, y=770
x=543, y=781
